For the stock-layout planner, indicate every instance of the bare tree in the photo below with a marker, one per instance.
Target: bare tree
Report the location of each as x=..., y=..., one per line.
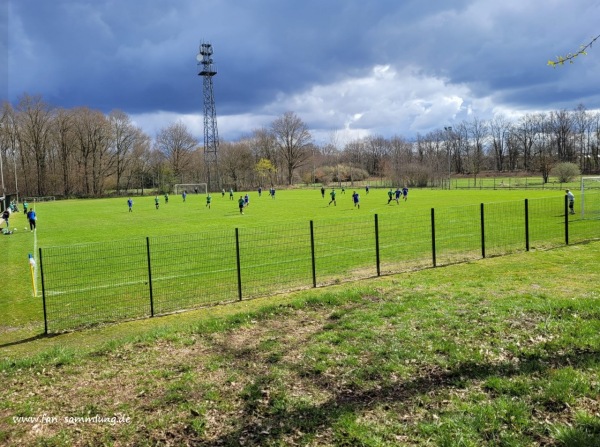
x=94, y=160
x=176, y=143
x=9, y=143
x=499, y=131
x=34, y=119
x=236, y=163
x=352, y=154
x=544, y=156
x=124, y=135
x=293, y=140
x=560, y=124
x=524, y=133
x=478, y=134
x=64, y=140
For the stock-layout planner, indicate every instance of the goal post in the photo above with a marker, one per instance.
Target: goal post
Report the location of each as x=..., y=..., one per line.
x=190, y=188
x=39, y=199
x=590, y=196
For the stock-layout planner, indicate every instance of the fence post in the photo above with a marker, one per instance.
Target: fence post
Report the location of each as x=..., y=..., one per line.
x=239, y=265
x=43, y=293
x=482, y=232
x=433, y=235
x=312, y=254
x=150, y=277
x=377, y=245
x=526, y=224
x=566, y=219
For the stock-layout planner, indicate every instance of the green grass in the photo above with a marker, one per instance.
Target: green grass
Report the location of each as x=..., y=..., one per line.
x=482, y=353
x=275, y=246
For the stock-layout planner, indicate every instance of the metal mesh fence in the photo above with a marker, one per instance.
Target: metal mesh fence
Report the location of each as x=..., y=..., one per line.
x=457, y=234
x=96, y=283
x=546, y=222
x=583, y=225
x=344, y=249
x=405, y=242
x=274, y=259
x=504, y=228
x=192, y=270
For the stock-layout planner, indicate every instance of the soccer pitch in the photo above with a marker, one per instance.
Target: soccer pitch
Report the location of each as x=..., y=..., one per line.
x=77, y=223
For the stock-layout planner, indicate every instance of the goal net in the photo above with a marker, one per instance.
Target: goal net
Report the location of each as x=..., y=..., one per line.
x=590, y=197
x=190, y=188
x=39, y=199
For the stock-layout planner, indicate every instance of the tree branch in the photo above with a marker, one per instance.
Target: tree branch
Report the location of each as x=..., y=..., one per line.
x=570, y=57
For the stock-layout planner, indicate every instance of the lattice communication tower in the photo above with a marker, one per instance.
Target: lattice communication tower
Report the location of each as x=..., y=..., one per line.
x=211, y=134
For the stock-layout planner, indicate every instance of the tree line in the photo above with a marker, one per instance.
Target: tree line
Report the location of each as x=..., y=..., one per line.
x=82, y=152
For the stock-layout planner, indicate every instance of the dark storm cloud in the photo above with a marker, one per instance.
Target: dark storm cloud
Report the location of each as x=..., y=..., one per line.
x=383, y=66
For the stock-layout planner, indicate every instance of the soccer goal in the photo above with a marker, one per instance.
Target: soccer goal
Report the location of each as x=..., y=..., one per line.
x=590, y=197
x=190, y=188
x=39, y=199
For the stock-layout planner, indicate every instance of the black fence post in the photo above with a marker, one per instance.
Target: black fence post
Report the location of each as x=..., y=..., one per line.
x=566, y=219
x=150, y=277
x=433, y=236
x=377, y=258
x=526, y=224
x=239, y=265
x=482, y=232
x=312, y=254
x=43, y=293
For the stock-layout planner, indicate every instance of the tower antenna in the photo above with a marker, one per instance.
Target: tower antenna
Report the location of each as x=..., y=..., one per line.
x=211, y=134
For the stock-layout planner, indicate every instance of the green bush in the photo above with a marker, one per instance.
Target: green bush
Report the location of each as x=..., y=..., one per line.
x=565, y=172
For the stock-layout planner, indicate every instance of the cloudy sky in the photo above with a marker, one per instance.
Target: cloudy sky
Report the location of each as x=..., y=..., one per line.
x=347, y=68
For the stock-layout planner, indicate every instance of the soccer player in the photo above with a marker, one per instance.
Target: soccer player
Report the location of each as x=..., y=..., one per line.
x=246, y=200
x=332, y=194
x=405, y=193
x=130, y=204
x=367, y=189
x=356, y=199
x=25, y=206
x=390, y=195
x=6, y=216
x=398, y=192
x=167, y=198
x=31, y=217
x=241, y=205
x=230, y=193
x=322, y=191
x=571, y=199
x=184, y=195
x=259, y=191
x=208, y=200
x=156, y=202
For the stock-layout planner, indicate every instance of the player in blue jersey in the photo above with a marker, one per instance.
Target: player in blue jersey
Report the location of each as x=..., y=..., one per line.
x=356, y=199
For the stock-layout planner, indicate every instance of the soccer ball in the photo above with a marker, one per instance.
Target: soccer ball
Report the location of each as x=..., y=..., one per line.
x=25, y=229
x=14, y=229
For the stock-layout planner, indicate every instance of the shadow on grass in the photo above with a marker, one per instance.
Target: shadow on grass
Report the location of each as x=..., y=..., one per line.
x=28, y=340
x=276, y=425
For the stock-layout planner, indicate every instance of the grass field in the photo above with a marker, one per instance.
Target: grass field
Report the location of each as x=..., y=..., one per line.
x=106, y=222
x=501, y=351
x=484, y=353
